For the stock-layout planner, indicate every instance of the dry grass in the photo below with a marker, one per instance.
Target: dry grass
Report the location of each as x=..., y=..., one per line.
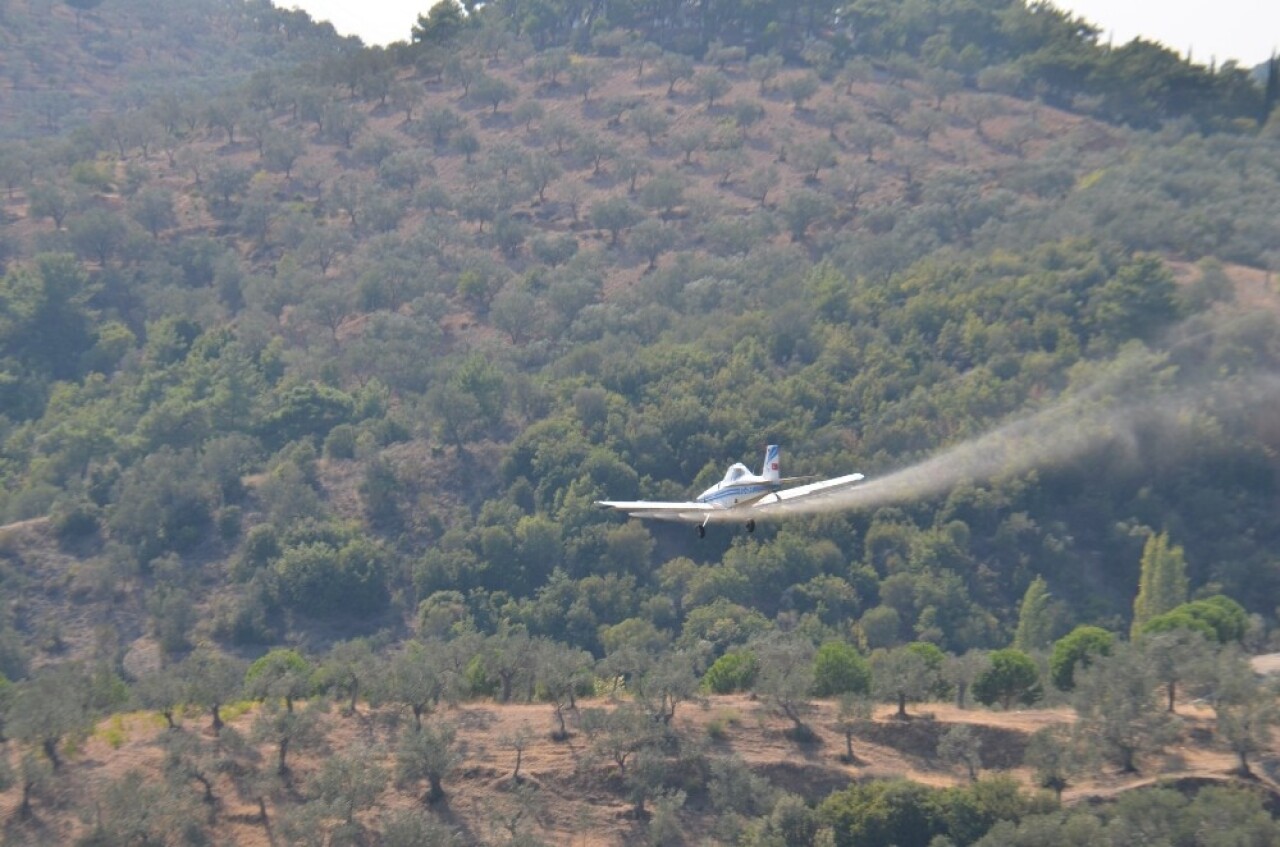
x=578, y=801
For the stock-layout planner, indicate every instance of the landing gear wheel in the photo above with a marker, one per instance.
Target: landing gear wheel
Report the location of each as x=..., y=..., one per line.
x=702, y=531
x=751, y=526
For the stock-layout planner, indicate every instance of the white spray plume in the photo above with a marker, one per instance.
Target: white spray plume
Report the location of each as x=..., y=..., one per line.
x=1084, y=420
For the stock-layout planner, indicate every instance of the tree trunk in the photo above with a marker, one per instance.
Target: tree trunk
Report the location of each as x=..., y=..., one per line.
x=208, y=787
x=848, y=745
x=282, y=768
x=217, y=718
x=902, y=706
x=50, y=747
x=564, y=729
x=355, y=693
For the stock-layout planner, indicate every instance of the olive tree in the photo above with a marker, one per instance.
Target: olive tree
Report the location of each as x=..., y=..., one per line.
x=960, y=745
x=430, y=753
x=1246, y=709
x=901, y=675
x=1119, y=715
x=48, y=708
x=785, y=677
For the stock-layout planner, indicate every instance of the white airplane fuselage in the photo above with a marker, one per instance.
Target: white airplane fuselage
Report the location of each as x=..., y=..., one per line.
x=740, y=487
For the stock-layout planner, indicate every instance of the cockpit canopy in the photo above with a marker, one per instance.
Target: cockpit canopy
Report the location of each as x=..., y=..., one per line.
x=736, y=472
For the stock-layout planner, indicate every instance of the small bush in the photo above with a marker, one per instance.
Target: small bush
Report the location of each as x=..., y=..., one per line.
x=114, y=732
x=229, y=523
x=388, y=431
x=731, y=672
x=718, y=727
x=340, y=443
x=261, y=548
x=244, y=618
x=76, y=521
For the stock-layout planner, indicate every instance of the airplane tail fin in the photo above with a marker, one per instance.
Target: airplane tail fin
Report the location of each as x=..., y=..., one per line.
x=772, y=469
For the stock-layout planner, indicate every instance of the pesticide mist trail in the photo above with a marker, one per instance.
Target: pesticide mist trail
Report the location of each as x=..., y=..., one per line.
x=1085, y=420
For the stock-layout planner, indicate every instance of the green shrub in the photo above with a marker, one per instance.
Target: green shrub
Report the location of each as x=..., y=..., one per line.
x=1077, y=648
x=1217, y=617
x=261, y=547
x=838, y=668
x=340, y=443
x=229, y=522
x=734, y=671
x=75, y=521
x=320, y=579
x=1012, y=676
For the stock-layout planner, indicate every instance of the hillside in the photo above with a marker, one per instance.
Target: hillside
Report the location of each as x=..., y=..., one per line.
x=65, y=64
x=343, y=240
x=571, y=791
x=311, y=373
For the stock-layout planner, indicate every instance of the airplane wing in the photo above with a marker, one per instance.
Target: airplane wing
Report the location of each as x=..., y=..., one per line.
x=805, y=499
x=800, y=500
x=691, y=512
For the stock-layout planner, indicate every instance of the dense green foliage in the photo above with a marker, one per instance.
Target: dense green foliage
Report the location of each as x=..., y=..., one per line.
x=734, y=671
x=1034, y=631
x=326, y=320
x=1217, y=617
x=1162, y=580
x=1160, y=813
x=838, y=668
x=904, y=812
x=1012, y=677
x=347, y=343
x=1076, y=650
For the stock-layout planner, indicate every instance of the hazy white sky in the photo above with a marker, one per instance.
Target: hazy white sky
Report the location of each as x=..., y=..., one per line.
x=1245, y=30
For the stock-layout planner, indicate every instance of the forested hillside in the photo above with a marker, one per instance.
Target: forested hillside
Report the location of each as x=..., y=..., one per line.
x=66, y=63
x=322, y=363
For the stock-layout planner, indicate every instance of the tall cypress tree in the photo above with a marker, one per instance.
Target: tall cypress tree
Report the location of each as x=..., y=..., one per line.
x=1162, y=584
x=1034, y=630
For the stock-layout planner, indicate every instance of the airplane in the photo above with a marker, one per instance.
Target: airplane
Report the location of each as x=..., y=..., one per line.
x=741, y=495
